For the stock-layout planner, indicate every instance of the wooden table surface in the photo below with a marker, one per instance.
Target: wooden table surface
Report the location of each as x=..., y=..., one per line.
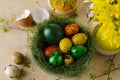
x=16, y=40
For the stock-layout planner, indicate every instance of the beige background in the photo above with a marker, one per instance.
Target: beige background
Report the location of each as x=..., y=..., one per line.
x=16, y=40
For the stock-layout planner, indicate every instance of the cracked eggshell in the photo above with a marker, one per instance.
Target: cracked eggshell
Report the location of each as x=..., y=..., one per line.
x=12, y=71
x=40, y=14
x=25, y=19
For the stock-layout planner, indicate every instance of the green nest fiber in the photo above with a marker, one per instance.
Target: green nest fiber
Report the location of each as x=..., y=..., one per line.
x=38, y=45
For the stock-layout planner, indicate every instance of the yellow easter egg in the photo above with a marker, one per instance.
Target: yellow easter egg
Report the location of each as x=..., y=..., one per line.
x=79, y=39
x=65, y=45
x=68, y=60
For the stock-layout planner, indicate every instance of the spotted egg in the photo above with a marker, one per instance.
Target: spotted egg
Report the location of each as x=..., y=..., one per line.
x=12, y=71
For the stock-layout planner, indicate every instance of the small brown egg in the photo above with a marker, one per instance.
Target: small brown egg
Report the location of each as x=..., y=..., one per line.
x=17, y=57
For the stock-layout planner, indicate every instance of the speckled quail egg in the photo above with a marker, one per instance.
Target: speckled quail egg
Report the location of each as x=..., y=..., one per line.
x=12, y=71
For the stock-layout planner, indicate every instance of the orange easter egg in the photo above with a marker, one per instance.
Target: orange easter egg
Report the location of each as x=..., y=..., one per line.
x=71, y=29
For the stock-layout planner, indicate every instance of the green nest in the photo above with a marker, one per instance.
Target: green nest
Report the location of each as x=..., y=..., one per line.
x=38, y=45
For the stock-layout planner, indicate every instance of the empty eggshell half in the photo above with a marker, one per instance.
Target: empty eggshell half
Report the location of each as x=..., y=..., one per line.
x=25, y=19
x=40, y=14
